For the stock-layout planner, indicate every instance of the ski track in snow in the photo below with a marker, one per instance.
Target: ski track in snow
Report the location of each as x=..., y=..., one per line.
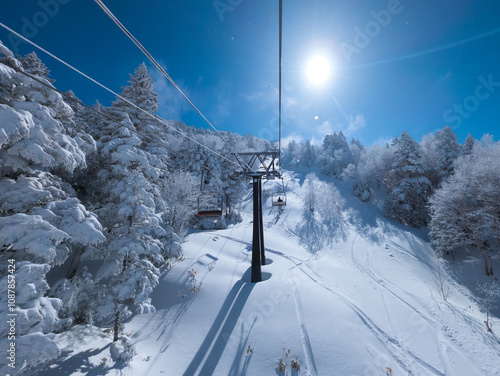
x=443, y=340
x=370, y=274
x=391, y=344
x=306, y=342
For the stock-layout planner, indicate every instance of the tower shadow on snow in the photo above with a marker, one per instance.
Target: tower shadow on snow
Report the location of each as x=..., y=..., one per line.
x=218, y=336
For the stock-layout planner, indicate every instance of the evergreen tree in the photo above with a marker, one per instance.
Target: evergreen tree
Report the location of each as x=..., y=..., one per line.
x=335, y=155
x=141, y=93
x=375, y=165
x=128, y=201
x=468, y=145
x=291, y=155
x=33, y=65
x=42, y=223
x=356, y=149
x=465, y=211
x=408, y=199
x=448, y=150
x=430, y=157
x=308, y=154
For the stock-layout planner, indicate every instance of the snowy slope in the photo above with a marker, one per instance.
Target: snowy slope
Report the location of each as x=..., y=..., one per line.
x=369, y=305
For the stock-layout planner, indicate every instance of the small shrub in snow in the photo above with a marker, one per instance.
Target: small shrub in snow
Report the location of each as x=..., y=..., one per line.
x=281, y=365
x=296, y=364
x=249, y=350
x=195, y=286
x=122, y=350
x=491, y=293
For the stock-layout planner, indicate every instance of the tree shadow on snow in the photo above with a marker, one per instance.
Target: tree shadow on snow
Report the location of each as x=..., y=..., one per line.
x=222, y=328
x=315, y=232
x=80, y=362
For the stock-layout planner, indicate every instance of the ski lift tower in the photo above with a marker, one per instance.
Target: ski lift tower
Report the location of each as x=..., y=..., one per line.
x=267, y=170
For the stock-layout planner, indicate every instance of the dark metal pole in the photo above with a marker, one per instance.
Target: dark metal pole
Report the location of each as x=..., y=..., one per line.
x=256, y=240
x=261, y=224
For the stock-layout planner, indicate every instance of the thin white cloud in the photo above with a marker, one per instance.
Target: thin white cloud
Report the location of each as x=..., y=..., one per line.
x=355, y=123
x=223, y=95
x=172, y=104
x=325, y=128
x=291, y=137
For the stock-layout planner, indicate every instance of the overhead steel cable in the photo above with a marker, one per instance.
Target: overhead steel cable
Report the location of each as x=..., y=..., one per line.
x=117, y=95
x=279, y=89
x=160, y=68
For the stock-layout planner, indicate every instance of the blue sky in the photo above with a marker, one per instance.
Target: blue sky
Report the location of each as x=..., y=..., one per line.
x=396, y=65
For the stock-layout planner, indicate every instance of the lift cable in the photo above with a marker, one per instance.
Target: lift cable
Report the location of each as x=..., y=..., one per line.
x=118, y=95
x=160, y=68
x=280, y=57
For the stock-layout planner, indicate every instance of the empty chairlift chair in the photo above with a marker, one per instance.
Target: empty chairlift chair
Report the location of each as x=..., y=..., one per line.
x=210, y=205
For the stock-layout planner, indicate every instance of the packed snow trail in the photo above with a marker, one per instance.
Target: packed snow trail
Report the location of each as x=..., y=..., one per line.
x=367, y=305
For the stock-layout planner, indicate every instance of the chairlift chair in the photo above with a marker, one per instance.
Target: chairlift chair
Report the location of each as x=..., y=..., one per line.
x=279, y=199
x=210, y=205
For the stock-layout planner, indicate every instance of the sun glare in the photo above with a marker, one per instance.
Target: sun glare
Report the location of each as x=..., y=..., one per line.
x=318, y=70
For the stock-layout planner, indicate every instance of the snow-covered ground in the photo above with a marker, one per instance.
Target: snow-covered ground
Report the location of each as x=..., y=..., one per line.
x=371, y=304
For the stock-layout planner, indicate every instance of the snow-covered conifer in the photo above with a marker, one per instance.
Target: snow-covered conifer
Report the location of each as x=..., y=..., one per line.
x=308, y=154
x=42, y=223
x=374, y=166
x=407, y=202
x=468, y=145
x=33, y=65
x=448, y=149
x=140, y=92
x=335, y=155
x=129, y=204
x=465, y=211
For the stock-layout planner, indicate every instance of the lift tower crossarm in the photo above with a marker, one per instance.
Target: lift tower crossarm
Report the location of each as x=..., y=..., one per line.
x=267, y=160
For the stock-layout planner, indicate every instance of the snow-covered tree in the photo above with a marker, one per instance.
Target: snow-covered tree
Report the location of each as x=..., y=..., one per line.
x=42, y=223
x=374, y=166
x=430, y=157
x=183, y=191
x=292, y=154
x=323, y=219
x=356, y=148
x=129, y=204
x=465, y=211
x=468, y=145
x=335, y=155
x=448, y=150
x=140, y=92
x=407, y=202
x=308, y=158
x=33, y=65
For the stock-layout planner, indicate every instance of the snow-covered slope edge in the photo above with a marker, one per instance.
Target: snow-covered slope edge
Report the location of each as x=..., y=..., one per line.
x=372, y=303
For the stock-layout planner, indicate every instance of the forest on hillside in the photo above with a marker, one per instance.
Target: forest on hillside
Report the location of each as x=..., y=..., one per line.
x=95, y=201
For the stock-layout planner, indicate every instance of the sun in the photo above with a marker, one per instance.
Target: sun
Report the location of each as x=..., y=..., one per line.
x=318, y=69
